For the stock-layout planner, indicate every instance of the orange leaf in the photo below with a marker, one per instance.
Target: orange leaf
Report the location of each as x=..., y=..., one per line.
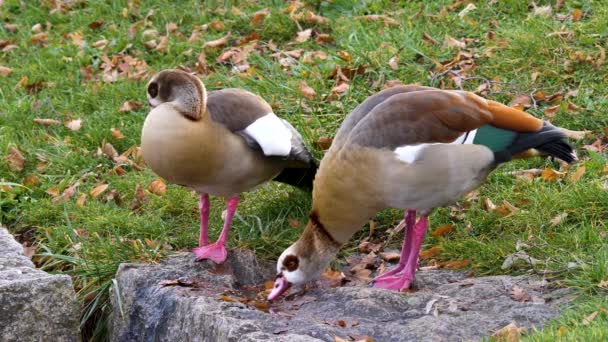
x=551, y=175
x=80, y=201
x=157, y=187
x=15, y=159
x=98, y=190
x=443, y=230
x=454, y=264
x=116, y=133
x=30, y=181
x=259, y=17
x=577, y=14
x=431, y=252
x=53, y=192
x=578, y=174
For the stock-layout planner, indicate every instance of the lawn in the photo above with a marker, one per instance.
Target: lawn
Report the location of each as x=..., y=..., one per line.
x=72, y=103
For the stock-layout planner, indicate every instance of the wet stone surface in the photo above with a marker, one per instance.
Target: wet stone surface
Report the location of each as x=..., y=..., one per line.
x=181, y=300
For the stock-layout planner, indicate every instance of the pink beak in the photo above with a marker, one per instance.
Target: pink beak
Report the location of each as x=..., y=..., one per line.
x=280, y=286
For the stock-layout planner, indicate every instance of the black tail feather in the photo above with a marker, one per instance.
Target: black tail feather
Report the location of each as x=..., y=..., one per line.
x=299, y=177
x=548, y=140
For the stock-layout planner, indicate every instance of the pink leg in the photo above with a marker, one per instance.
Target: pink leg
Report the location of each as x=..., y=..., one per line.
x=216, y=252
x=203, y=206
x=410, y=221
x=403, y=280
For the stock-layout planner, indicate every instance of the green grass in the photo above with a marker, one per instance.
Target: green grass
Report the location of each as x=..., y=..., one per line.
x=89, y=242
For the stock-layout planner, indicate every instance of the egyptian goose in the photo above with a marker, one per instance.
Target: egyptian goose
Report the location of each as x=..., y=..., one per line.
x=414, y=148
x=222, y=143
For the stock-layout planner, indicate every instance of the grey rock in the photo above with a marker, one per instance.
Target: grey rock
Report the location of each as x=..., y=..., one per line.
x=34, y=305
x=184, y=300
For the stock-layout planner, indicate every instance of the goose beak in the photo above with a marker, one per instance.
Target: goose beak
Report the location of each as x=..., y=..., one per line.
x=280, y=286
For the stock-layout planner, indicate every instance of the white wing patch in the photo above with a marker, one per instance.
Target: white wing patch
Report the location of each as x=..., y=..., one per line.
x=409, y=153
x=271, y=134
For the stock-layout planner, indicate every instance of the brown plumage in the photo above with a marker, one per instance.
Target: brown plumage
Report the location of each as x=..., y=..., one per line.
x=222, y=143
x=414, y=148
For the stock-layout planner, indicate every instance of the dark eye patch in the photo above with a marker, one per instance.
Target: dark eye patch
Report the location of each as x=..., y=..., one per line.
x=291, y=262
x=153, y=89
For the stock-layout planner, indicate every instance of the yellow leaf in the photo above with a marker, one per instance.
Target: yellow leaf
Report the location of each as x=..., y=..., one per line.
x=98, y=190
x=157, y=187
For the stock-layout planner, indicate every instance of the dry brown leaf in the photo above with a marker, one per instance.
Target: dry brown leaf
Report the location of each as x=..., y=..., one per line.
x=551, y=175
x=316, y=19
x=39, y=39
x=322, y=38
x=340, y=88
x=323, y=143
x=12, y=28
x=392, y=83
x=30, y=181
x=578, y=174
x=158, y=187
x=53, y=191
x=522, y=100
x=81, y=199
x=466, y=10
x=587, y=320
x=129, y=106
x=259, y=17
x=577, y=14
x=15, y=159
x=550, y=111
x=455, y=264
x=519, y=294
x=378, y=17
x=217, y=25
x=109, y=151
x=332, y=278
x=5, y=71
x=558, y=219
x=601, y=58
x=307, y=91
x=394, y=63
x=542, y=11
x=303, y=36
x=509, y=333
x=431, y=252
x=571, y=107
x=428, y=38
x=506, y=209
x=139, y=198
x=171, y=27
x=218, y=42
x=98, y=190
x=116, y=133
x=369, y=247
x=389, y=256
x=603, y=284
x=76, y=38
x=74, y=125
x=115, y=196
x=47, y=122
x=163, y=44
x=453, y=42
x=488, y=204
x=443, y=230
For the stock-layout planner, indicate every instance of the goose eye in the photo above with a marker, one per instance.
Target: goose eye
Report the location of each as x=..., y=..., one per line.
x=153, y=89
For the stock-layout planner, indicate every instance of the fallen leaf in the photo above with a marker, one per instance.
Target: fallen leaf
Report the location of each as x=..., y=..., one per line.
x=558, y=219
x=225, y=298
x=506, y=209
x=450, y=41
x=580, y=171
x=339, y=339
x=157, y=187
x=322, y=38
x=128, y=106
x=47, y=122
x=389, y=256
x=162, y=45
x=428, y=38
x=603, y=284
x=509, y=333
x=307, y=91
x=259, y=17
x=98, y=190
x=171, y=28
x=551, y=175
x=303, y=36
x=519, y=294
x=69, y=191
x=217, y=25
x=488, y=204
x=5, y=71
x=431, y=252
x=294, y=223
x=367, y=247
x=116, y=133
x=454, y=264
x=577, y=14
x=550, y=111
x=542, y=11
x=523, y=100
x=81, y=199
x=379, y=17
x=340, y=88
x=323, y=143
x=576, y=135
x=443, y=230
x=140, y=198
x=15, y=159
x=601, y=58
x=114, y=195
x=587, y=320
x=74, y=125
x=466, y=10
x=316, y=19
x=76, y=38
x=39, y=39
x=30, y=181
x=53, y=191
x=344, y=55
x=332, y=278
x=218, y=42
x=394, y=63
x=96, y=24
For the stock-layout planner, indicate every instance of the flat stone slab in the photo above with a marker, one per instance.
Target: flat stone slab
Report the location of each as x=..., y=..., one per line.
x=184, y=300
x=34, y=305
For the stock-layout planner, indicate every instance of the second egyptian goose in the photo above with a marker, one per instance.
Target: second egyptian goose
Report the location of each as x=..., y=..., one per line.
x=222, y=143
x=414, y=148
